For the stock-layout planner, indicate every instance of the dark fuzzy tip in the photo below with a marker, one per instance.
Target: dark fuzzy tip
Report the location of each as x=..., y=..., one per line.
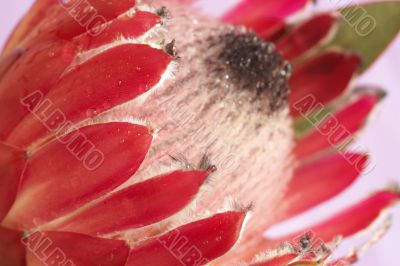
x=163, y=12
x=170, y=48
x=256, y=64
x=205, y=164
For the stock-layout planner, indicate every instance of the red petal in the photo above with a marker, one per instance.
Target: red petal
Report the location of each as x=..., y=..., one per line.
x=139, y=205
x=193, y=244
x=352, y=220
x=267, y=28
x=127, y=27
x=324, y=77
x=338, y=128
x=271, y=32
x=76, y=169
x=61, y=248
x=12, y=252
x=248, y=10
x=12, y=162
x=24, y=78
x=320, y=180
x=109, y=79
x=64, y=21
x=261, y=15
x=306, y=36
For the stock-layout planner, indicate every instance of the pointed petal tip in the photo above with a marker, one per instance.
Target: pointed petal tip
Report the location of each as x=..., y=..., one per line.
x=323, y=79
x=337, y=128
x=87, y=162
x=394, y=188
x=379, y=93
x=337, y=172
x=352, y=220
x=376, y=235
x=119, y=74
x=204, y=241
x=138, y=205
x=308, y=36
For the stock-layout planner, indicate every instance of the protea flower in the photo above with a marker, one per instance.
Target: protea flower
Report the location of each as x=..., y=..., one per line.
x=138, y=133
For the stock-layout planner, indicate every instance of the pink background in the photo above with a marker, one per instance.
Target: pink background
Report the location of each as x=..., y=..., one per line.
x=381, y=137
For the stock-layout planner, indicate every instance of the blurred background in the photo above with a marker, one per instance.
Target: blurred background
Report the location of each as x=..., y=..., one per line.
x=381, y=137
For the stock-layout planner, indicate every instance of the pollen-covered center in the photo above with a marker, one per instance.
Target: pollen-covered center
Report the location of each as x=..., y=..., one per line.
x=256, y=65
x=239, y=63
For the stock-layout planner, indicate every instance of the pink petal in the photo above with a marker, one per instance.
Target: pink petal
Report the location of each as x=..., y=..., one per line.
x=306, y=36
x=76, y=169
x=324, y=77
x=320, y=180
x=353, y=219
x=336, y=129
x=70, y=249
x=193, y=244
x=24, y=78
x=12, y=162
x=138, y=205
x=109, y=79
